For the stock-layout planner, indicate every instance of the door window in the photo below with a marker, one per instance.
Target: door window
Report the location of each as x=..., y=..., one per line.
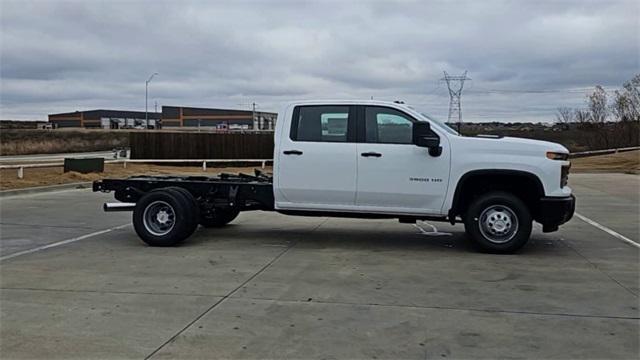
x=320, y=123
x=387, y=126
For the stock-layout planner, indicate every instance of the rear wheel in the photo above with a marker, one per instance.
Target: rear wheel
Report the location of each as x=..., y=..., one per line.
x=498, y=222
x=191, y=206
x=163, y=217
x=219, y=218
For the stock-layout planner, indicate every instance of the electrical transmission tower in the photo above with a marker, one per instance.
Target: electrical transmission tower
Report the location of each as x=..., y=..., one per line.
x=455, y=85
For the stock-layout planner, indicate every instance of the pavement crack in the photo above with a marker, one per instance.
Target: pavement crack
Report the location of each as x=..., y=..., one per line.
x=62, y=242
x=595, y=266
x=318, y=226
x=49, y=226
x=109, y=292
x=400, y=306
x=231, y=293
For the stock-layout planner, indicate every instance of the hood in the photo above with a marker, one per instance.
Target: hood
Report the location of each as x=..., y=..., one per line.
x=548, y=145
x=512, y=144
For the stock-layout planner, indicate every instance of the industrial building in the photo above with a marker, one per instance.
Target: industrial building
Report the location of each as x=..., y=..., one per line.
x=171, y=117
x=106, y=119
x=177, y=116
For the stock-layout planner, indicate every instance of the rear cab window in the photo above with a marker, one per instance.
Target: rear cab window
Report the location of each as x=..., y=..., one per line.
x=323, y=123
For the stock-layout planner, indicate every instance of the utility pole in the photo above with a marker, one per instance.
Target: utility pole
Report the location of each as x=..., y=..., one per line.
x=455, y=85
x=256, y=123
x=253, y=114
x=146, y=97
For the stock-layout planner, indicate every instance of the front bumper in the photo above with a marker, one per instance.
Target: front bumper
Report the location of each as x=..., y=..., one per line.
x=555, y=211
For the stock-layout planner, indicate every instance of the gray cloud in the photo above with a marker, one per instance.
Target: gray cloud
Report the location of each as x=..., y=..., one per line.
x=61, y=56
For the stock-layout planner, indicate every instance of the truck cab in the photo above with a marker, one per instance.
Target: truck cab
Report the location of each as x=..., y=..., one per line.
x=369, y=159
x=359, y=157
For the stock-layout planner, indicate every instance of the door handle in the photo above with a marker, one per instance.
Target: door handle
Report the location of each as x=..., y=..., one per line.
x=292, y=152
x=368, y=154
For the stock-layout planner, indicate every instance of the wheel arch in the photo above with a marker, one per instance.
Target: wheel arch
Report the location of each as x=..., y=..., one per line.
x=522, y=183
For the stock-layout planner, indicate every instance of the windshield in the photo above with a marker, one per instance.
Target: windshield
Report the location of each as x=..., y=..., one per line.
x=441, y=124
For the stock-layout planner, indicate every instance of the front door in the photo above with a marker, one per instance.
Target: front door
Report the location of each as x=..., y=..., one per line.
x=394, y=175
x=317, y=159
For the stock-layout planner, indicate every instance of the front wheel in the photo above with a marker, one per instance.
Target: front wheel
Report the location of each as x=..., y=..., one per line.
x=498, y=222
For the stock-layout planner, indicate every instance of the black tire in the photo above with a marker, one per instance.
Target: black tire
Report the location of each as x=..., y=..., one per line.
x=220, y=218
x=498, y=222
x=192, y=205
x=177, y=217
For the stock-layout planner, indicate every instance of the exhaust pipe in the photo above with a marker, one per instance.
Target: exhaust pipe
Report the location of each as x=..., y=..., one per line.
x=121, y=206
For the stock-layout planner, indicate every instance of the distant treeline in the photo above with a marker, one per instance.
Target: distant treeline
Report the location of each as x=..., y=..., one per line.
x=574, y=137
x=607, y=120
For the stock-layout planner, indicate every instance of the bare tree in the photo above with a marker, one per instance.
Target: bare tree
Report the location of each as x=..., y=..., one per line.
x=626, y=103
x=564, y=115
x=597, y=103
x=581, y=116
x=626, y=109
x=595, y=131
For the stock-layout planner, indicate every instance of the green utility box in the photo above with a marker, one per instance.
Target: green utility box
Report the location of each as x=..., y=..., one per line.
x=85, y=165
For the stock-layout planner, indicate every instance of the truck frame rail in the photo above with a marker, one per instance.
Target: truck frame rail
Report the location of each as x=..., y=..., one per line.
x=239, y=191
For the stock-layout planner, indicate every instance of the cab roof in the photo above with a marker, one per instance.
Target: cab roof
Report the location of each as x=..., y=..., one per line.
x=348, y=102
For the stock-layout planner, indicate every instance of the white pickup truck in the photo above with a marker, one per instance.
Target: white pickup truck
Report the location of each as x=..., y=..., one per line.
x=368, y=159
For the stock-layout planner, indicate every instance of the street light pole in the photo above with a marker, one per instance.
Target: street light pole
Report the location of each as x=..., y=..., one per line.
x=146, y=98
x=253, y=114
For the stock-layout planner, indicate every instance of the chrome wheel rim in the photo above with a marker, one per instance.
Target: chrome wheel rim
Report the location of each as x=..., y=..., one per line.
x=498, y=224
x=159, y=218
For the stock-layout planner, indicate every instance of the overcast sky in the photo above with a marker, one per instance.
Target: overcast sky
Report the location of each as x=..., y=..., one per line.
x=525, y=58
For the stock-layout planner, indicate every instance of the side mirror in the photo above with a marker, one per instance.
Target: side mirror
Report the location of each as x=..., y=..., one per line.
x=424, y=137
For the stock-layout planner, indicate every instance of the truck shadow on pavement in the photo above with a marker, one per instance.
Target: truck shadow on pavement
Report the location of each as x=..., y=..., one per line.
x=375, y=240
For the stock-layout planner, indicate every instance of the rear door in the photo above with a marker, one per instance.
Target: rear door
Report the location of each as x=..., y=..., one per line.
x=394, y=175
x=317, y=159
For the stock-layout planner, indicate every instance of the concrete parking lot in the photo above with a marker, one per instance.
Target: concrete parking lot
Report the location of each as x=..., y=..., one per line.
x=272, y=286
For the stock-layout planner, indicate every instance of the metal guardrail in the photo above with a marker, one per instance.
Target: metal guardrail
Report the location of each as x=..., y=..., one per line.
x=117, y=153
x=20, y=167
x=602, y=152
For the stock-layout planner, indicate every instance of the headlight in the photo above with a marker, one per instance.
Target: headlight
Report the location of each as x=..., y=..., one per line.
x=557, y=155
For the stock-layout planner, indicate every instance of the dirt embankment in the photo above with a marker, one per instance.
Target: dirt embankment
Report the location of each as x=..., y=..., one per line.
x=626, y=162
x=24, y=142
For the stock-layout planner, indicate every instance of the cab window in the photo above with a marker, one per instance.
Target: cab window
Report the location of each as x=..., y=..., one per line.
x=321, y=123
x=387, y=126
